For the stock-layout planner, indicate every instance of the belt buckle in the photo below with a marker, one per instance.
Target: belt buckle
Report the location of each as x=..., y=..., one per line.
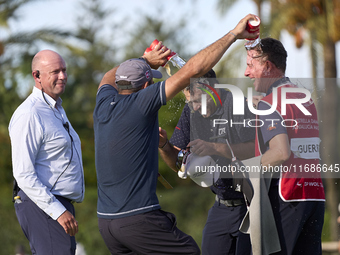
x=231, y=203
x=228, y=202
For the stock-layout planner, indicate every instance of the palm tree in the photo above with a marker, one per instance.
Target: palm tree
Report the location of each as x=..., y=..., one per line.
x=224, y=5
x=319, y=19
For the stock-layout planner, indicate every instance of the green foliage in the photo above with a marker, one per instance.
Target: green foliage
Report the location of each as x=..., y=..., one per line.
x=153, y=28
x=8, y=9
x=326, y=237
x=11, y=234
x=5, y=160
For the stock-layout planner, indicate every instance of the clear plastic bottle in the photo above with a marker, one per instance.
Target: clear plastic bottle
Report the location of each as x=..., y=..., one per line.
x=177, y=61
x=174, y=58
x=253, y=26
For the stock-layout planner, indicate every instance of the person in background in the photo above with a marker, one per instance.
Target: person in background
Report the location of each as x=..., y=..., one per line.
x=126, y=130
x=221, y=233
x=47, y=161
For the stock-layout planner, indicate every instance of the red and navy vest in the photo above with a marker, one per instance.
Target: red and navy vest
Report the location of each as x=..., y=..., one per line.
x=300, y=177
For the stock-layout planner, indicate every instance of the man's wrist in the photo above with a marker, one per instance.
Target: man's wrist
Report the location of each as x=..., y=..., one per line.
x=166, y=142
x=144, y=59
x=233, y=34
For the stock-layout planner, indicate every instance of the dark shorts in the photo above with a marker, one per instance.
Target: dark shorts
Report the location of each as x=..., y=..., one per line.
x=221, y=235
x=46, y=236
x=153, y=232
x=299, y=224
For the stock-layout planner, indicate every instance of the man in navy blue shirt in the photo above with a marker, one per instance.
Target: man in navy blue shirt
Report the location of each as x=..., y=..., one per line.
x=126, y=149
x=221, y=233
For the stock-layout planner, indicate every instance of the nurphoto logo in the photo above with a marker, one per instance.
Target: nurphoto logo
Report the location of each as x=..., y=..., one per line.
x=238, y=99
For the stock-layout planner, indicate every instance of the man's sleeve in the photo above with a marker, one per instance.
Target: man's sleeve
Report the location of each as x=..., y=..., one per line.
x=271, y=124
x=104, y=90
x=181, y=135
x=151, y=98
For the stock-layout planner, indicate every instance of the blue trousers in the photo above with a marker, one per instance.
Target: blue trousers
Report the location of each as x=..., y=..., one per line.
x=299, y=224
x=46, y=236
x=221, y=235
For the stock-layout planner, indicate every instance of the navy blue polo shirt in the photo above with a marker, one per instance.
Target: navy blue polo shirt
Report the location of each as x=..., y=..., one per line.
x=126, y=150
x=192, y=125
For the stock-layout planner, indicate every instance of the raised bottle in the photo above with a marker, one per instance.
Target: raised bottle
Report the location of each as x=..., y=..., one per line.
x=174, y=58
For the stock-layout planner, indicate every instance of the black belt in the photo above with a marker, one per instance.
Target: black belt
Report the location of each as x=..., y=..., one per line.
x=71, y=201
x=230, y=202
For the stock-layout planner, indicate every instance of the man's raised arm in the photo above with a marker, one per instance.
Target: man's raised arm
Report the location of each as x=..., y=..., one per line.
x=207, y=58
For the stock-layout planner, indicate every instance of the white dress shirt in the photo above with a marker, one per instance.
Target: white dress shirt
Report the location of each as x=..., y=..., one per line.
x=45, y=160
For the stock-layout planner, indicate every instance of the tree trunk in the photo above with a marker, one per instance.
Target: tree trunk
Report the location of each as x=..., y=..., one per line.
x=329, y=152
x=315, y=67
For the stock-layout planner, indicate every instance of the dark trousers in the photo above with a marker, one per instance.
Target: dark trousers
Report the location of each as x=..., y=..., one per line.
x=299, y=224
x=221, y=235
x=153, y=232
x=46, y=236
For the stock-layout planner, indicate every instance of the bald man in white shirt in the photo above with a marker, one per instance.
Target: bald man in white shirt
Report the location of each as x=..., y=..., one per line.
x=47, y=161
